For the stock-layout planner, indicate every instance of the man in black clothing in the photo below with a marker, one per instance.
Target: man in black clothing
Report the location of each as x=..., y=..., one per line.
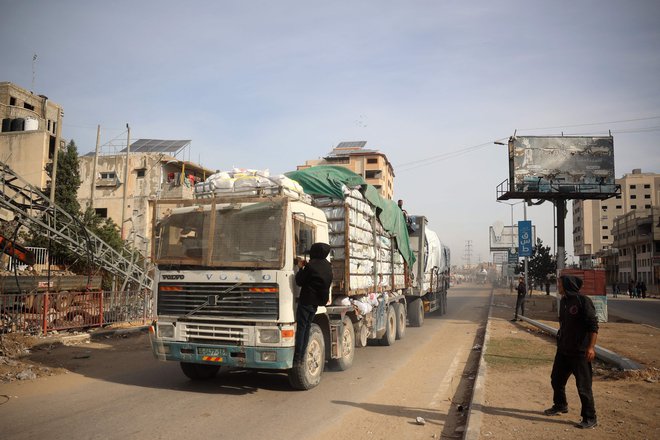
x=314, y=278
x=520, y=301
x=576, y=342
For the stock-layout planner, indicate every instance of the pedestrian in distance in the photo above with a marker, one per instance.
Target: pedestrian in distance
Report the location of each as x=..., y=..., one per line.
x=576, y=349
x=314, y=278
x=643, y=289
x=520, y=300
x=615, y=290
x=631, y=288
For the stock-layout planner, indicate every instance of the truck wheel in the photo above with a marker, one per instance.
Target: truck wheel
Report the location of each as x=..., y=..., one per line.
x=362, y=336
x=307, y=374
x=416, y=313
x=400, y=313
x=199, y=371
x=390, y=328
x=347, y=347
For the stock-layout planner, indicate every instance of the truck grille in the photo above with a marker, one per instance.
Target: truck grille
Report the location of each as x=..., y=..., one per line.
x=206, y=333
x=179, y=299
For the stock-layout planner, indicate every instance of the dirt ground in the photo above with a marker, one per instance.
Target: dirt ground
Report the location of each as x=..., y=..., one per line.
x=24, y=357
x=519, y=361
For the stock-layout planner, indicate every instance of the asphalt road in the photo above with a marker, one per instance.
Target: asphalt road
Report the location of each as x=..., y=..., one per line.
x=643, y=311
x=135, y=396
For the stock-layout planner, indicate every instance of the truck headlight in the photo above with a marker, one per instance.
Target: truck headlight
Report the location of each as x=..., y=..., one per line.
x=269, y=336
x=165, y=330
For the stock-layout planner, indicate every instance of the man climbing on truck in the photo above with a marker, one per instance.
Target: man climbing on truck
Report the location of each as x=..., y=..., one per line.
x=314, y=278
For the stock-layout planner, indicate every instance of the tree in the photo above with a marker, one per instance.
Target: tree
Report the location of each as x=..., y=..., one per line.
x=66, y=197
x=541, y=264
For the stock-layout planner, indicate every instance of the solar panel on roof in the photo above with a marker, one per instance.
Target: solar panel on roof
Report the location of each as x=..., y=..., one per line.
x=157, y=146
x=356, y=144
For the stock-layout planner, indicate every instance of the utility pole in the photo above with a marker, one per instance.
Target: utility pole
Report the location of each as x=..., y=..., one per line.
x=96, y=160
x=468, y=253
x=123, y=200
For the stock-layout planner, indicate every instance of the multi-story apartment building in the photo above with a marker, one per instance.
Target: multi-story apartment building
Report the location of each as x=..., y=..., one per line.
x=594, y=222
x=125, y=191
x=637, y=241
x=31, y=132
x=372, y=165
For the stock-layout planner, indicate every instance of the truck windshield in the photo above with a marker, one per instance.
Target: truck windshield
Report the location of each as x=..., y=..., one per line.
x=242, y=235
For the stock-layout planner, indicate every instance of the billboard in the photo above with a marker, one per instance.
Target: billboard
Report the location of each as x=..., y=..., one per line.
x=504, y=238
x=562, y=164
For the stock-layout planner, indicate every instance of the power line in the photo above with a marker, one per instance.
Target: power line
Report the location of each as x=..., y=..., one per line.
x=591, y=123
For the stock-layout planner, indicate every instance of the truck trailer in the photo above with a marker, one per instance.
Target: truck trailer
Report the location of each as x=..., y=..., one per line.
x=225, y=272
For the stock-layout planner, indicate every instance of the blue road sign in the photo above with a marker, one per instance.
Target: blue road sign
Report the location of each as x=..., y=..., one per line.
x=525, y=238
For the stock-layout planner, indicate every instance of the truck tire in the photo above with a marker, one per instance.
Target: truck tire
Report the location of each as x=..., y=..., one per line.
x=199, y=371
x=400, y=312
x=416, y=313
x=362, y=335
x=390, y=328
x=306, y=375
x=347, y=347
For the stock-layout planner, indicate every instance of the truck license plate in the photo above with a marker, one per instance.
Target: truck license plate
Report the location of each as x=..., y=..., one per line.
x=215, y=352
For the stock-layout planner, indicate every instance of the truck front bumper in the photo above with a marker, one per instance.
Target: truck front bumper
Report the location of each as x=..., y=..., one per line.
x=268, y=358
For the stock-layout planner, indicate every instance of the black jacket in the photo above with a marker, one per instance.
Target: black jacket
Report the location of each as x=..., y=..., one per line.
x=577, y=318
x=315, y=277
x=522, y=290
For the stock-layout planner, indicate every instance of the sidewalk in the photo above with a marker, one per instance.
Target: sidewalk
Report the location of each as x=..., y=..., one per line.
x=516, y=384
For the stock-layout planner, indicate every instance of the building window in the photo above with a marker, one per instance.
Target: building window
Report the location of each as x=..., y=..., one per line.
x=604, y=208
x=101, y=212
x=108, y=175
x=605, y=227
x=633, y=206
x=12, y=100
x=618, y=196
x=605, y=237
x=372, y=160
x=373, y=174
x=618, y=206
x=647, y=206
x=633, y=196
x=647, y=196
x=633, y=186
x=28, y=106
x=141, y=172
x=647, y=186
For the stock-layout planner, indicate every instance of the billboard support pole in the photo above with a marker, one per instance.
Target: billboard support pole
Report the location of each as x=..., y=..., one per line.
x=561, y=234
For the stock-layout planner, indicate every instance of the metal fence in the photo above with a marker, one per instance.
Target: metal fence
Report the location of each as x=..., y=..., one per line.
x=39, y=313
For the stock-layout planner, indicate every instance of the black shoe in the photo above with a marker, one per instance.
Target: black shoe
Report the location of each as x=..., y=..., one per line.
x=587, y=424
x=555, y=410
x=514, y=319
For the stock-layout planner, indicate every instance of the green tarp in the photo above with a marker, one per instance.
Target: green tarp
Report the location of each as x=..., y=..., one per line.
x=328, y=180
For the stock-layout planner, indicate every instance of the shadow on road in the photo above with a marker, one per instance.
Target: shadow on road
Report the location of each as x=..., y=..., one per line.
x=432, y=417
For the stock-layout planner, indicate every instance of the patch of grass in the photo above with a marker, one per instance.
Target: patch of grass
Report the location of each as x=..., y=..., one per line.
x=518, y=353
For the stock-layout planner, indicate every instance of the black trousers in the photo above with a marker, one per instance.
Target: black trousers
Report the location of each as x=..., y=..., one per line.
x=520, y=304
x=304, y=318
x=579, y=367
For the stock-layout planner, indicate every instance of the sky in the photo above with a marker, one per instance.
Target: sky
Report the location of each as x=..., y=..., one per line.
x=430, y=83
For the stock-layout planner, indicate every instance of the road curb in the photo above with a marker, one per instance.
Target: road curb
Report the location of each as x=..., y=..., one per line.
x=475, y=410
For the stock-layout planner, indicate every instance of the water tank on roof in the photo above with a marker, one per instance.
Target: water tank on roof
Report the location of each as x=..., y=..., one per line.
x=6, y=124
x=17, y=124
x=31, y=124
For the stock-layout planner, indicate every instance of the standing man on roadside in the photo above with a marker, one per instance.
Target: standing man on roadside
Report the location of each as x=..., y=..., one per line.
x=520, y=301
x=576, y=342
